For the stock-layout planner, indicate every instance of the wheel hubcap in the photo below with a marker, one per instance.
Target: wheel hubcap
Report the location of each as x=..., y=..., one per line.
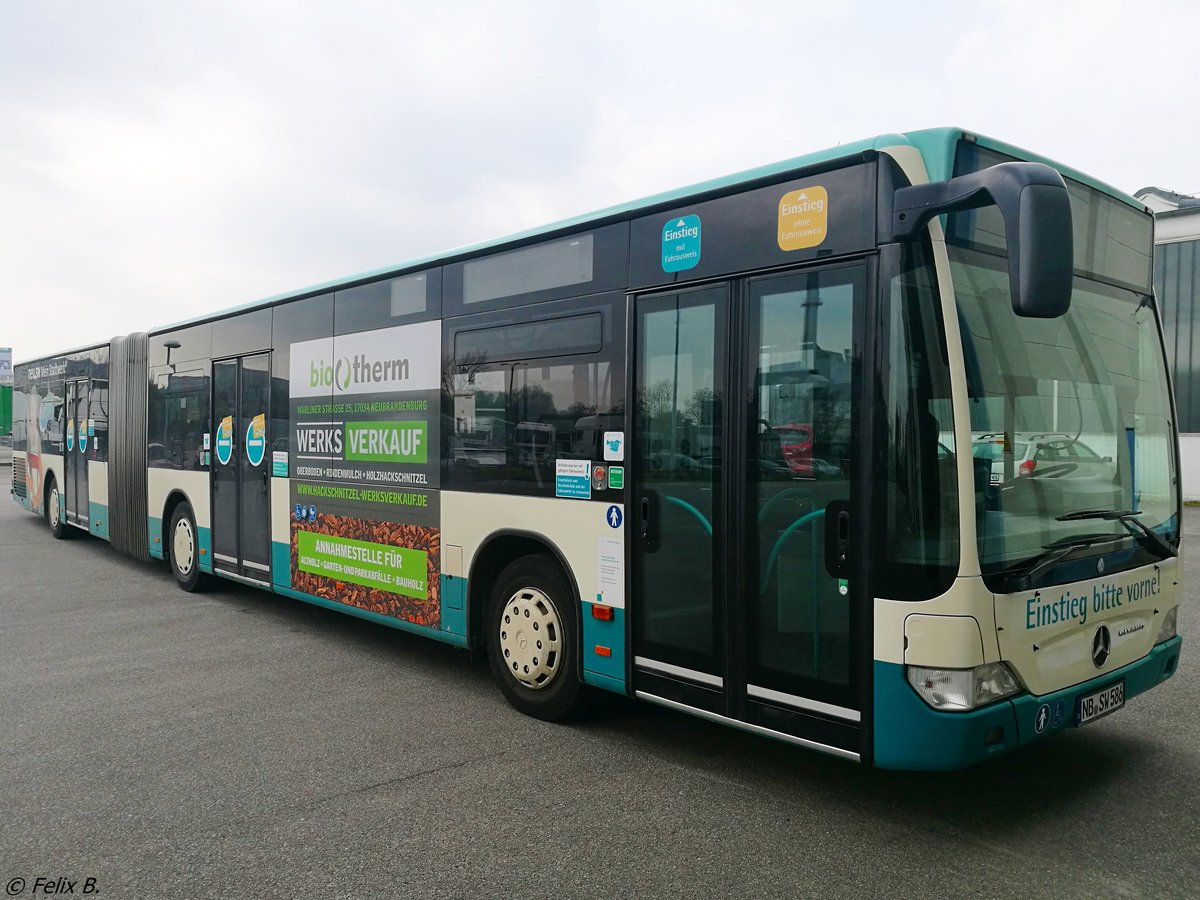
x=531, y=638
x=184, y=547
x=54, y=513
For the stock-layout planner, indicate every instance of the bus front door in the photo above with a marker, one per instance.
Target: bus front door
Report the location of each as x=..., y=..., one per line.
x=75, y=454
x=746, y=450
x=241, y=469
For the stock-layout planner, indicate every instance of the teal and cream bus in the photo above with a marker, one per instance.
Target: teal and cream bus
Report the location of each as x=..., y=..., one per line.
x=872, y=451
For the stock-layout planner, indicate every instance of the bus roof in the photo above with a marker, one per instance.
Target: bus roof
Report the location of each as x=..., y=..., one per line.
x=86, y=348
x=935, y=144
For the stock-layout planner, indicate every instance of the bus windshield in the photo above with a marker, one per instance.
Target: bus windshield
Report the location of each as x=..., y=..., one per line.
x=1068, y=415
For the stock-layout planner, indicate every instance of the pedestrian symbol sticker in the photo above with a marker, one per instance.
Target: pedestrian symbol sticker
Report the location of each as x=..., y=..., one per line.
x=681, y=244
x=70, y=434
x=803, y=218
x=1042, y=719
x=613, y=516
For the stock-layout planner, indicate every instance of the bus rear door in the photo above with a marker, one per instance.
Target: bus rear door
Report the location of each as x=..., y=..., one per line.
x=241, y=471
x=75, y=456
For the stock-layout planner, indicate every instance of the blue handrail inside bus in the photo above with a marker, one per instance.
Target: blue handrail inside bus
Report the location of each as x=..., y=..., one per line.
x=787, y=532
x=775, y=551
x=683, y=504
x=783, y=495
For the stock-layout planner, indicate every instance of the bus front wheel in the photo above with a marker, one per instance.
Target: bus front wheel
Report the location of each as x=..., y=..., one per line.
x=184, y=548
x=533, y=638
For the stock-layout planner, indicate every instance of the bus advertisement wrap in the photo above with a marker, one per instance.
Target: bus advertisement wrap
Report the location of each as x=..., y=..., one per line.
x=364, y=407
x=364, y=459
x=375, y=548
x=38, y=422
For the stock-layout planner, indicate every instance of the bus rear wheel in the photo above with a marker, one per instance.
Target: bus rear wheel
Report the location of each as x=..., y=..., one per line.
x=184, y=548
x=54, y=516
x=533, y=642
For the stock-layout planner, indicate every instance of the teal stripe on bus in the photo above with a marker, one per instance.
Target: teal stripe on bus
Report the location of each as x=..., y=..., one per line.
x=281, y=564
x=911, y=735
x=606, y=672
x=98, y=519
x=938, y=145
x=204, y=538
x=154, y=537
x=454, y=605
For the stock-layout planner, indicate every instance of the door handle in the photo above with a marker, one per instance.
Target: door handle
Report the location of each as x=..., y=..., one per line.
x=837, y=538
x=843, y=536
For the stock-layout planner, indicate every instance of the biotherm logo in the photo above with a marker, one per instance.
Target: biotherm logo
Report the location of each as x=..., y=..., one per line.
x=352, y=372
x=402, y=359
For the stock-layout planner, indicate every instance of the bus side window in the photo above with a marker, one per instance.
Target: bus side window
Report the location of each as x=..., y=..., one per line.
x=527, y=387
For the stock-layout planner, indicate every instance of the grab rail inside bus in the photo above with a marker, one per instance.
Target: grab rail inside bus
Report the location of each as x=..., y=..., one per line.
x=775, y=551
x=783, y=495
x=787, y=532
x=700, y=517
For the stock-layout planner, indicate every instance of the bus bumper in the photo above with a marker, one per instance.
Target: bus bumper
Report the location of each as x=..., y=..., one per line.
x=909, y=735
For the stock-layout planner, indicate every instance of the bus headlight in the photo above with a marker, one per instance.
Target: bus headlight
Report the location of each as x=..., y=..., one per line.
x=1167, y=630
x=957, y=690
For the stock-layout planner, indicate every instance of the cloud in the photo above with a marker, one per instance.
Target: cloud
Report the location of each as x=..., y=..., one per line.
x=165, y=160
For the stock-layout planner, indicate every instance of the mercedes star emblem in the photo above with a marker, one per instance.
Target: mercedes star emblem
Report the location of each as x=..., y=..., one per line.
x=1101, y=645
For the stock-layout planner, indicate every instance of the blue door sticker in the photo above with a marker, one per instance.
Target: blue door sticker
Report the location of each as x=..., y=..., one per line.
x=225, y=440
x=681, y=244
x=256, y=439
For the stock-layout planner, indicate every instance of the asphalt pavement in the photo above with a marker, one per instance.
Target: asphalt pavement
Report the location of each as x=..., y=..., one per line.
x=238, y=744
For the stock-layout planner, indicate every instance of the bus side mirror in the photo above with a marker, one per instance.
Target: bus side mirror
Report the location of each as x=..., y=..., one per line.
x=1035, y=205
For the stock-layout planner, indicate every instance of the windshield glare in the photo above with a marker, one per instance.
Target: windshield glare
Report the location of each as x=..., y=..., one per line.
x=1087, y=390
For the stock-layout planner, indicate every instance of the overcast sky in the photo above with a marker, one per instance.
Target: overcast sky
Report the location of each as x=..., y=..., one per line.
x=163, y=159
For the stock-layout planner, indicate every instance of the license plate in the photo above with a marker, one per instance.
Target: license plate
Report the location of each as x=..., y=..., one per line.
x=1101, y=703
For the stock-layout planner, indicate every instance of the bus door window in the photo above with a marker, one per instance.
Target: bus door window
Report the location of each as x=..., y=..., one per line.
x=800, y=463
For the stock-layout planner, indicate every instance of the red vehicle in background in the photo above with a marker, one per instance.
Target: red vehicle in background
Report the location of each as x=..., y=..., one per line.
x=796, y=442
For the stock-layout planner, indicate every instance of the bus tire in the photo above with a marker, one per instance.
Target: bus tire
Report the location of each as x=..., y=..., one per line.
x=54, y=516
x=532, y=638
x=183, y=547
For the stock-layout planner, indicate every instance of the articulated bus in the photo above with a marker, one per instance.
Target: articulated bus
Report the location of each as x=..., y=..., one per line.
x=872, y=451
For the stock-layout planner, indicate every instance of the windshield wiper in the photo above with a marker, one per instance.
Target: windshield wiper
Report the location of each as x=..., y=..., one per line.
x=1023, y=576
x=1146, y=535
